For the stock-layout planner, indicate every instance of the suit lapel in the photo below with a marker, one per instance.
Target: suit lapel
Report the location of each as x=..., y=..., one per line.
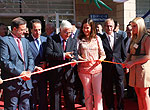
x=41, y=46
x=58, y=41
x=13, y=42
x=41, y=42
x=24, y=49
x=32, y=45
x=68, y=45
x=106, y=42
x=116, y=37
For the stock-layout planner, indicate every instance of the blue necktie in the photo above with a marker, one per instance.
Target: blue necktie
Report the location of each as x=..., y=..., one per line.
x=38, y=44
x=40, y=49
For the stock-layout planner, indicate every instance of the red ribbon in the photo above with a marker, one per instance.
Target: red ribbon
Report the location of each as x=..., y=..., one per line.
x=58, y=66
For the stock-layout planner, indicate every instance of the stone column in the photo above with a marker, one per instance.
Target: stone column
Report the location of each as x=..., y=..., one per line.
x=125, y=12
x=129, y=11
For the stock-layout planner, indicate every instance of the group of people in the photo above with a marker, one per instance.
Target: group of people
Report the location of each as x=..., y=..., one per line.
x=99, y=60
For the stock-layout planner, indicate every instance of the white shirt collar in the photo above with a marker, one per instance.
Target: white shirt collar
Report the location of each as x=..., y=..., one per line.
x=61, y=38
x=36, y=38
x=112, y=34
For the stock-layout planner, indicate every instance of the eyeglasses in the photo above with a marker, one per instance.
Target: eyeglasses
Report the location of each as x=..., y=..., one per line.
x=67, y=32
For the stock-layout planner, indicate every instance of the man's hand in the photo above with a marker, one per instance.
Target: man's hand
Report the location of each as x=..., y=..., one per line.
x=128, y=64
x=42, y=64
x=1, y=81
x=26, y=75
x=69, y=55
x=98, y=61
x=74, y=63
x=126, y=70
x=37, y=68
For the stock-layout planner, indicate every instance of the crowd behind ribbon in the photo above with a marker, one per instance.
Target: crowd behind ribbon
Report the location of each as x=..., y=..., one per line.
x=92, y=83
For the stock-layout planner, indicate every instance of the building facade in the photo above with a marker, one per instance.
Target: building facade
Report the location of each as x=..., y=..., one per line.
x=57, y=10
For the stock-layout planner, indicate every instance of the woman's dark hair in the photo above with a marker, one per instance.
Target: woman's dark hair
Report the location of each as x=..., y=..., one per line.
x=93, y=29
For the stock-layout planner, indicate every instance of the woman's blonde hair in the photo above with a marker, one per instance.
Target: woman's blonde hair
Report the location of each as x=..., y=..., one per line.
x=141, y=31
x=141, y=28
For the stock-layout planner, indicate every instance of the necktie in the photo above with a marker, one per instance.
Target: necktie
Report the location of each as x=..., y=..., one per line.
x=38, y=44
x=64, y=45
x=20, y=47
x=39, y=47
x=111, y=41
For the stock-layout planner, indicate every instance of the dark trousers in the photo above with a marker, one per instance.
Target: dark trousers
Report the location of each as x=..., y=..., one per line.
x=17, y=95
x=39, y=95
x=109, y=80
x=130, y=90
x=64, y=83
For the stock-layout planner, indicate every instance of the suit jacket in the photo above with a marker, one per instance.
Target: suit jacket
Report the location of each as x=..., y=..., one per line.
x=127, y=41
x=12, y=63
x=54, y=55
x=36, y=54
x=122, y=33
x=76, y=34
x=118, y=54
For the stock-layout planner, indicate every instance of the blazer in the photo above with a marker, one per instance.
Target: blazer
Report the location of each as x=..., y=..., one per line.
x=12, y=63
x=76, y=34
x=118, y=54
x=54, y=54
x=36, y=54
x=122, y=33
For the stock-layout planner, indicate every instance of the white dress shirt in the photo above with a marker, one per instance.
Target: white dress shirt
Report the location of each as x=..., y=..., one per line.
x=111, y=40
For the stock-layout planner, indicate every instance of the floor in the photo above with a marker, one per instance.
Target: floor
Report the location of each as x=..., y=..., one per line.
x=130, y=104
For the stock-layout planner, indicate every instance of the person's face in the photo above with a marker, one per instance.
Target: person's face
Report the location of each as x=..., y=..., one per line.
x=20, y=31
x=48, y=29
x=109, y=27
x=65, y=33
x=129, y=30
x=36, y=30
x=86, y=29
x=134, y=28
x=99, y=28
x=3, y=30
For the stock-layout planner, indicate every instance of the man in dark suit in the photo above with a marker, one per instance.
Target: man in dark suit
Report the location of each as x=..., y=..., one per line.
x=113, y=44
x=61, y=48
x=16, y=60
x=37, y=45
